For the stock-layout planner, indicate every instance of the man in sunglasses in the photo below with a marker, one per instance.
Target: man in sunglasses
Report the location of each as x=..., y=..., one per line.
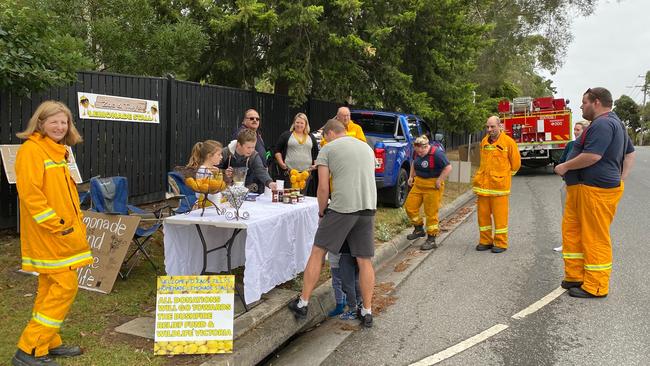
x=252, y=121
x=600, y=160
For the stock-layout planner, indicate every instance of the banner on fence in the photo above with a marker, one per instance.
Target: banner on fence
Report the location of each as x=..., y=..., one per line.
x=9, y=152
x=113, y=108
x=194, y=315
x=109, y=237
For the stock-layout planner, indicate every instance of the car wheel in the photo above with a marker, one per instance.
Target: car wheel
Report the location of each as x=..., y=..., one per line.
x=396, y=196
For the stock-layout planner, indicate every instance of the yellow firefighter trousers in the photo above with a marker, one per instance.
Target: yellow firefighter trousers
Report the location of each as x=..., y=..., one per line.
x=56, y=292
x=586, y=244
x=424, y=190
x=489, y=208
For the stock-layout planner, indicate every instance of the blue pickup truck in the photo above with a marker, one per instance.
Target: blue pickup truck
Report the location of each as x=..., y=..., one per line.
x=391, y=136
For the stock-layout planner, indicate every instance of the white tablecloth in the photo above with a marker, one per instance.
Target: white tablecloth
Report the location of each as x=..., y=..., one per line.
x=274, y=245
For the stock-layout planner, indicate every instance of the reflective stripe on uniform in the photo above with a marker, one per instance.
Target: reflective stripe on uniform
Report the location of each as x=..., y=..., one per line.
x=432, y=227
x=485, y=228
x=598, y=267
x=44, y=216
x=47, y=321
x=57, y=263
x=491, y=192
x=51, y=164
x=489, y=147
x=501, y=231
x=513, y=173
x=573, y=255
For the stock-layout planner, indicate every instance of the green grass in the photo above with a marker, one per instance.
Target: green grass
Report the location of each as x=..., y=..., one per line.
x=93, y=315
x=389, y=222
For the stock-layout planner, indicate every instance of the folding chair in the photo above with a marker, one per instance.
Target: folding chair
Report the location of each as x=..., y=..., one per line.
x=110, y=195
x=83, y=189
x=180, y=191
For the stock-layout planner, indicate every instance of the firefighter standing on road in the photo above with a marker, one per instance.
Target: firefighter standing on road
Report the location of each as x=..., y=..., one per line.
x=52, y=234
x=599, y=161
x=429, y=169
x=500, y=160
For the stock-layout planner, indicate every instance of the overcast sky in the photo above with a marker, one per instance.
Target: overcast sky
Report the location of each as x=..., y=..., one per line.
x=610, y=48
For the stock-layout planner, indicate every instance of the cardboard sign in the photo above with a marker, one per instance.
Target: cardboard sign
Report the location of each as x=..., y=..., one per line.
x=194, y=315
x=9, y=152
x=461, y=171
x=112, y=108
x=109, y=237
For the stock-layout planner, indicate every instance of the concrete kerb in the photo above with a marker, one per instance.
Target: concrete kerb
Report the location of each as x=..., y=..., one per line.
x=264, y=337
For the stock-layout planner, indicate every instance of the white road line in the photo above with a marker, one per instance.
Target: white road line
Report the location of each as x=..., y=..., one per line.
x=460, y=347
x=540, y=303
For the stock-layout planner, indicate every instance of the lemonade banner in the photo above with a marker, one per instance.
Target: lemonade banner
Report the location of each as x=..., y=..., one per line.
x=194, y=315
x=112, y=108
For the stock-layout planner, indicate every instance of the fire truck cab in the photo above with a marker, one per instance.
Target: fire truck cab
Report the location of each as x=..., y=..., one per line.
x=541, y=127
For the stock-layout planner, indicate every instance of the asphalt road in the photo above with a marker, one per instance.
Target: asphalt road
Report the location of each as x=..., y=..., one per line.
x=458, y=292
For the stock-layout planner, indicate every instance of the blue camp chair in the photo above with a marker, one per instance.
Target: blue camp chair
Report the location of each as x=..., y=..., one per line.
x=83, y=189
x=177, y=187
x=110, y=195
x=83, y=196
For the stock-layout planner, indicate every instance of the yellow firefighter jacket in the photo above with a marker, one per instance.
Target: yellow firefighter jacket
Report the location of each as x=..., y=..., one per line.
x=49, y=207
x=500, y=160
x=353, y=130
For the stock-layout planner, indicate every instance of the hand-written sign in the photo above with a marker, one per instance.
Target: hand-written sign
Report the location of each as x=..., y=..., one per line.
x=9, y=152
x=194, y=315
x=109, y=237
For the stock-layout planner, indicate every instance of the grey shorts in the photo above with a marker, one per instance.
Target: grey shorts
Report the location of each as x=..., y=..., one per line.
x=334, y=228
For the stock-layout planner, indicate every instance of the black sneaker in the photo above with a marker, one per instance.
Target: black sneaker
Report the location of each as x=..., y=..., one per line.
x=498, y=250
x=430, y=243
x=25, y=359
x=299, y=313
x=418, y=232
x=65, y=351
x=366, y=320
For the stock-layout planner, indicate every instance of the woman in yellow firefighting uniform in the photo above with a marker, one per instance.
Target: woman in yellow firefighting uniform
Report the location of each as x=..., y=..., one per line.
x=52, y=234
x=429, y=169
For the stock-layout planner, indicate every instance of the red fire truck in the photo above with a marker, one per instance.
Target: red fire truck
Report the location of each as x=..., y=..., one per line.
x=541, y=127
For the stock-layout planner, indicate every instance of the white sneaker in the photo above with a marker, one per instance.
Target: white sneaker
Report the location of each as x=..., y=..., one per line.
x=558, y=249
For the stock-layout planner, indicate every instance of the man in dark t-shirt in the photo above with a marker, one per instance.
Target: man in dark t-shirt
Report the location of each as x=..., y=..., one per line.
x=594, y=171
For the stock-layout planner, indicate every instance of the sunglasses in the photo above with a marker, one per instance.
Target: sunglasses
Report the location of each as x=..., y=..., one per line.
x=253, y=118
x=592, y=93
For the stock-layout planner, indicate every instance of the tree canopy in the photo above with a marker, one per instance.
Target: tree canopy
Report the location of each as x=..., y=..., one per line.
x=447, y=60
x=628, y=111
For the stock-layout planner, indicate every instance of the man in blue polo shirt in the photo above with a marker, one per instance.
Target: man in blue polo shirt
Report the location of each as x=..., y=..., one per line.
x=594, y=172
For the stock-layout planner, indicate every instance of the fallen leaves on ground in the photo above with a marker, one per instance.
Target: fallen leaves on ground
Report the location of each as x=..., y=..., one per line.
x=415, y=253
x=349, y=326
x=450, y=222
x=402, y=266
x=382, y=297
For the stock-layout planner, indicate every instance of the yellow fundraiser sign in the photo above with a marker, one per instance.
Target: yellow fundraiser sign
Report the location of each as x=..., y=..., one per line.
x=194, y=315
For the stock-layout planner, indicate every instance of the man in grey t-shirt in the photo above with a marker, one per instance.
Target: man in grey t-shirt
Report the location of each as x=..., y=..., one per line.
x=349, y=216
